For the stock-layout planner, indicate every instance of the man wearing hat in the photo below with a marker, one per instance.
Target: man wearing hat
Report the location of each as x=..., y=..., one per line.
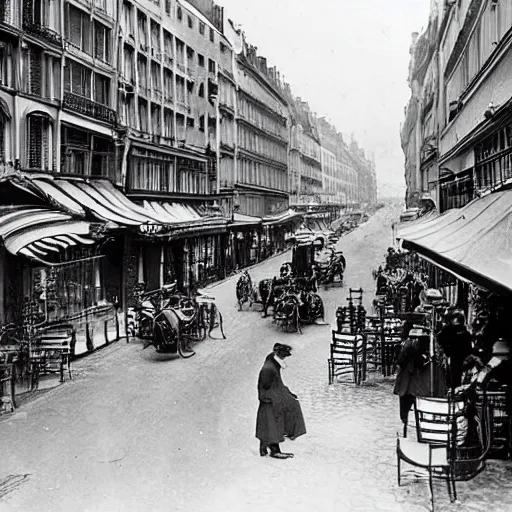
x=279, y=413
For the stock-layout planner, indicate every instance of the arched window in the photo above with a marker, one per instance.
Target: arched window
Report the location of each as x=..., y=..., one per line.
x=39, y=143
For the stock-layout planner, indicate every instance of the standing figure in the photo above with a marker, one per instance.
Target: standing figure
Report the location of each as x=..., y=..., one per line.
x=279, y=413
x=456, y=342
x=413, y=374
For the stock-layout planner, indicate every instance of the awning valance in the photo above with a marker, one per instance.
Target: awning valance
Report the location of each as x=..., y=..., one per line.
x=240, y=221
x=180, y=219
x=38, y=232
x=474, y=241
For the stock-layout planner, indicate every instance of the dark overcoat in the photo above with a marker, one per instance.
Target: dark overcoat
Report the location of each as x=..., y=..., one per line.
x=279, y=412
x=413, y=375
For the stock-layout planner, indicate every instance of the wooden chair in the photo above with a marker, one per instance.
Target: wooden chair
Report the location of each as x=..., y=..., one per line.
x=346, y=353
x=51, y=351
x=500, y=420
x=440, y=449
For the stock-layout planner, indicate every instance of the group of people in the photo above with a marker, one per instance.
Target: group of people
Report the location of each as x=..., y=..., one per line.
x=455, y=367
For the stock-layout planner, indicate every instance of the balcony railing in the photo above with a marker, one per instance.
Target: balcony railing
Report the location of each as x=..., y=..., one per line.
x=89, y=108
x=41, y=31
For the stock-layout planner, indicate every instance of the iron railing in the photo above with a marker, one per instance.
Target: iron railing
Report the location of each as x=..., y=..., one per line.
x=89, y=108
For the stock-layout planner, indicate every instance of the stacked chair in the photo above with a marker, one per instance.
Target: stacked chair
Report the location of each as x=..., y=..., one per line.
x=347, y=343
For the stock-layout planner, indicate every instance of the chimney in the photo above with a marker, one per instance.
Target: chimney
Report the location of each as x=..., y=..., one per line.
x=262, y=64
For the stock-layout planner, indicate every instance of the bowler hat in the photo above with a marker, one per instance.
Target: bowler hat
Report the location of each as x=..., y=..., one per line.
x=280, y=348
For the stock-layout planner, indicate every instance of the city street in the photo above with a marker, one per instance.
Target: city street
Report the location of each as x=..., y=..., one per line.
x=138, y=431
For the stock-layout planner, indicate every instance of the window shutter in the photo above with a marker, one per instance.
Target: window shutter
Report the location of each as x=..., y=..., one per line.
x=36, y=76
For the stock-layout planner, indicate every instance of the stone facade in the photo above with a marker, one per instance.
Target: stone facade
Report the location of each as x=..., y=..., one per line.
x=455, y=133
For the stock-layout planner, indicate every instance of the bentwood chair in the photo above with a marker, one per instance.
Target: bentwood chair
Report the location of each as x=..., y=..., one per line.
x=442, y=447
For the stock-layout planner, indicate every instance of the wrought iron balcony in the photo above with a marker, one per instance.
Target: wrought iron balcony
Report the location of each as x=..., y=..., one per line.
x=40, y=30
x=89, y=108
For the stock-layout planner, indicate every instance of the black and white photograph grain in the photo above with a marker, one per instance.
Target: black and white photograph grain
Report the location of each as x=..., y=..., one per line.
x=255, y=256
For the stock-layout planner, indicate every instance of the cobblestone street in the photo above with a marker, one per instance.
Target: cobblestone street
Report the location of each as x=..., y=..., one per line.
x=136, y=431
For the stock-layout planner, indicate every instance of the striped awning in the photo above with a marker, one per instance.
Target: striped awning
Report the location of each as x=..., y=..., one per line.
x=40, y=233
x=98, y=199
x=181, y=219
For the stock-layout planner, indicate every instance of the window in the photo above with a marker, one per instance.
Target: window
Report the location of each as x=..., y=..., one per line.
x=155, y=37
x=211, y=66
x=143, y=115
x=200, y=92
x=155, y=119
x=78, y=28
x=200, y=60
x=101, y=42
x=168, y=85
x=39, y=141
x=77, y=79
x=168, y=7
x=190, y=22
x=128, y=18
x=168, y=49
x=6, y=68
x=32, y=66
x=142, y=23
x=168, y=118
x=179, y=14
x=201, y=28
x=142, y=65
x=129, y=71
x=201, y=124
x=101, y=89
x=212, y=36
x=51, y=77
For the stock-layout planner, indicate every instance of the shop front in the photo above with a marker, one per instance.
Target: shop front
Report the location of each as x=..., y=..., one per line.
x=189, y=251
x=276, y=230
x=64, y=255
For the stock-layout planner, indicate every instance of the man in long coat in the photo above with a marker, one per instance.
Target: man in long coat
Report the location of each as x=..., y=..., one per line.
x=279, y=413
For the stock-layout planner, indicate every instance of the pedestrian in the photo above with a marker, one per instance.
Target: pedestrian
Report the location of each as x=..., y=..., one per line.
x=456, y=342
x=413, y=376
x=279, y=412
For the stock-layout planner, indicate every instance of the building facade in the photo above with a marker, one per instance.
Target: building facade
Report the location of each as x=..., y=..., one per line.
x=58, y=124
x=305, y=166
x=170, y=55
x=455, y=133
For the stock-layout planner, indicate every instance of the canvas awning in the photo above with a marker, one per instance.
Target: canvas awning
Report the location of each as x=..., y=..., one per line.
x=474, y=242
x=181, y=218
x=240, y=221
x=282, y=218
x=38, y=232
x=96, y=198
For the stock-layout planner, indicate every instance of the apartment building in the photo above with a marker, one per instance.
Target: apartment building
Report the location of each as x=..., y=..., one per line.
x=262, y=137
x=58, y=86
x=330, y=140
x=455, y=135
x=306, y=182
x=347, y=185
x=171, y=58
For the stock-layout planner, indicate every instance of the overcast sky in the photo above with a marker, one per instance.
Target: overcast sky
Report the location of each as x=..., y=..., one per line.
x=348, y=58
